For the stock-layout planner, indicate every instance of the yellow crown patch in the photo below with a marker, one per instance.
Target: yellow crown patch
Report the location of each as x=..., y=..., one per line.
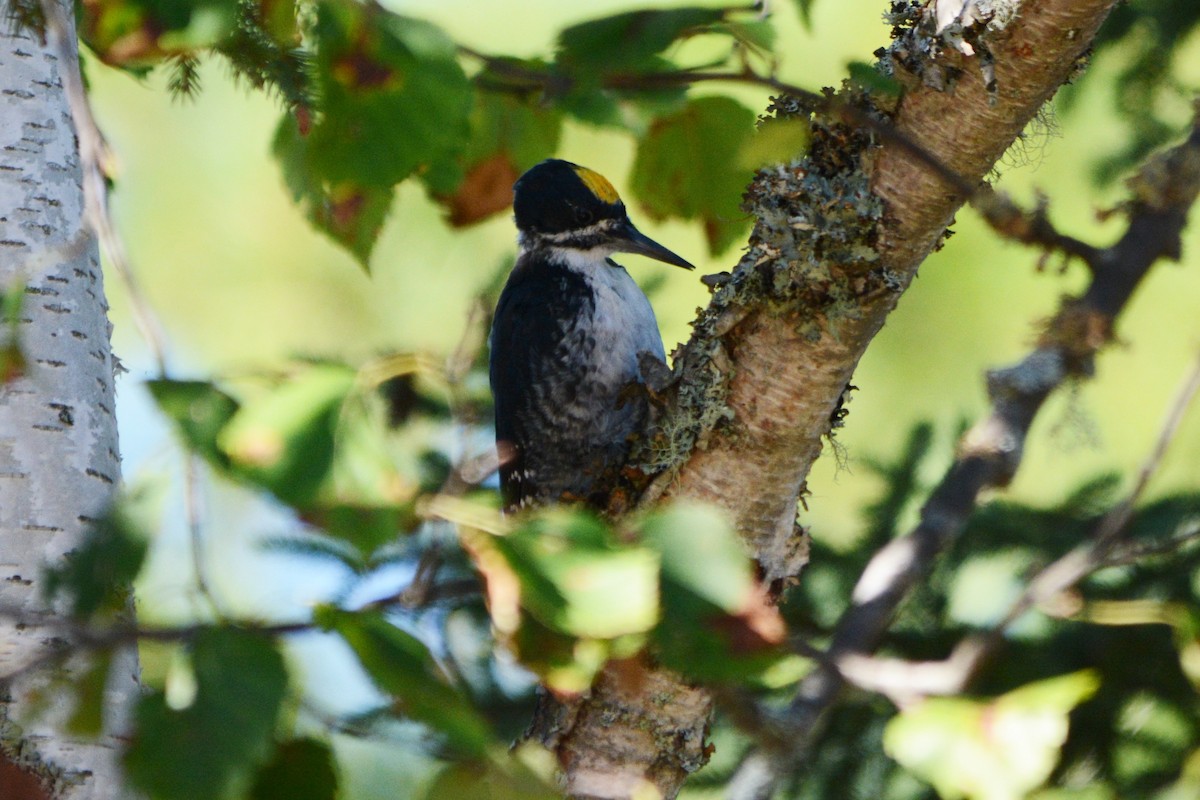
x=597, y=184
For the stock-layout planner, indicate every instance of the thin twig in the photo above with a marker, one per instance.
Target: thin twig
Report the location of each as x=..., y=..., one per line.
x=996, y=209
x=902, y=681
x=1079, y=563
x=992, y=451
x=80, y=638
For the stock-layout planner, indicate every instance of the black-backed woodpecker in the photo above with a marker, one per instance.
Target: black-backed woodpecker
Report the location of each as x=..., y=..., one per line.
x=566, y=339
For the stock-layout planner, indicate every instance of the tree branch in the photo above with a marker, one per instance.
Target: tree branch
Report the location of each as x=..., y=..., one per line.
x=997, y=210
x=838, y=238
x=991, y=452
x=902, y=681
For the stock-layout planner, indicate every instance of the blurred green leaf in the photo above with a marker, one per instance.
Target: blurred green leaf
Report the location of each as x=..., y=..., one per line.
x=350, y=214
x=577, y=579
x=564, y=594
x=1187, y=787
x=1148, y=43
x=302, y=769
x=284, y=440
x=367, y=528
x=867, y=76
x=589, y=103
x=509, y=134
x=985, y=586
x=401, y=665
x=210, y=749
x=199, y=410
x=688, y=166
x=318, y=547
x=565, y=663
x=716, y=623
x=489, y=780
x=700, y=553
x=997, y=750
x=627, y=41
x=394, y=99
x=758, y=34
x=367, y=471
x=98, y=574
x=142, y=32
x=1153, y=736
x=278, y=19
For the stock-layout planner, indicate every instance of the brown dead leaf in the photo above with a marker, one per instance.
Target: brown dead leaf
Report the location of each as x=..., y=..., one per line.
x=486, y=190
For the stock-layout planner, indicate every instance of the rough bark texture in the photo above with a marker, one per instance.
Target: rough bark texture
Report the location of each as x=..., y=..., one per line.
x=839, y=237
x=58, y=433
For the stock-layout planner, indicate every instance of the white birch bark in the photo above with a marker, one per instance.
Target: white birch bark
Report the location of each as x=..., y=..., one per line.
x=58, y=434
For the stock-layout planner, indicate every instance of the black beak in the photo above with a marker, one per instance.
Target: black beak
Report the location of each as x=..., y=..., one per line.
x=628, y=239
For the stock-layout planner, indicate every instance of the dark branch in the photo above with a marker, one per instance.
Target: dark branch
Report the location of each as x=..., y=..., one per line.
x=999, y=211
x=905, y=680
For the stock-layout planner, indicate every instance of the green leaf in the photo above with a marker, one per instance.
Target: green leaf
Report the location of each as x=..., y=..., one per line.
x=98, y=575
x=278, y=18
x=565, y=663
x=758, y=34
x=401, y=665
x=689, y=166
x=867, y=76
x=575, y=578
x=210, y=749
x=716, y=624
x=589, y=103
x=509, y=134
x=367, y=528
x=284, y=440
x=1152, y=737
x=489, y=780
x=350, y=214
x=997, y=750
x=302, y=769
x=701, y=554
x=627, y=41
x=143, y=32
x=528, y=132
x=199, y=410
x=564, y=595
x=394, y=99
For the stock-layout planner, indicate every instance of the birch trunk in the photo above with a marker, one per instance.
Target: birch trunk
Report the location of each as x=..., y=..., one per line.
x=58, y=431
x=785, y=359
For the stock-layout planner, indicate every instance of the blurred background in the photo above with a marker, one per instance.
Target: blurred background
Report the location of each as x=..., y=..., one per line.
x=240, y=281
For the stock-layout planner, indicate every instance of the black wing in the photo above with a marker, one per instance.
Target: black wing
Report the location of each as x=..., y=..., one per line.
x=537, y=308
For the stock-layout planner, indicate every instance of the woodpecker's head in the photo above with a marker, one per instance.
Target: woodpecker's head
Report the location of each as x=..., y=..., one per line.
x=563, y=206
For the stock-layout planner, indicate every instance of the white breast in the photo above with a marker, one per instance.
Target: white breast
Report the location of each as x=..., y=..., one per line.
x=623, y=321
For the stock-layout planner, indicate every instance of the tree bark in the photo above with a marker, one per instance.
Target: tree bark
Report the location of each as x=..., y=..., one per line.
x=839, y=237
x=58, y=434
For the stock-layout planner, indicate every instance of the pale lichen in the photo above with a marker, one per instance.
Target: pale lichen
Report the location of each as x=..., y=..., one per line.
x=810, y=257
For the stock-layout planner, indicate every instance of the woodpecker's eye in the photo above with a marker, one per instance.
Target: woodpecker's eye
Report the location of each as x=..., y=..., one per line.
x=583, y=216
